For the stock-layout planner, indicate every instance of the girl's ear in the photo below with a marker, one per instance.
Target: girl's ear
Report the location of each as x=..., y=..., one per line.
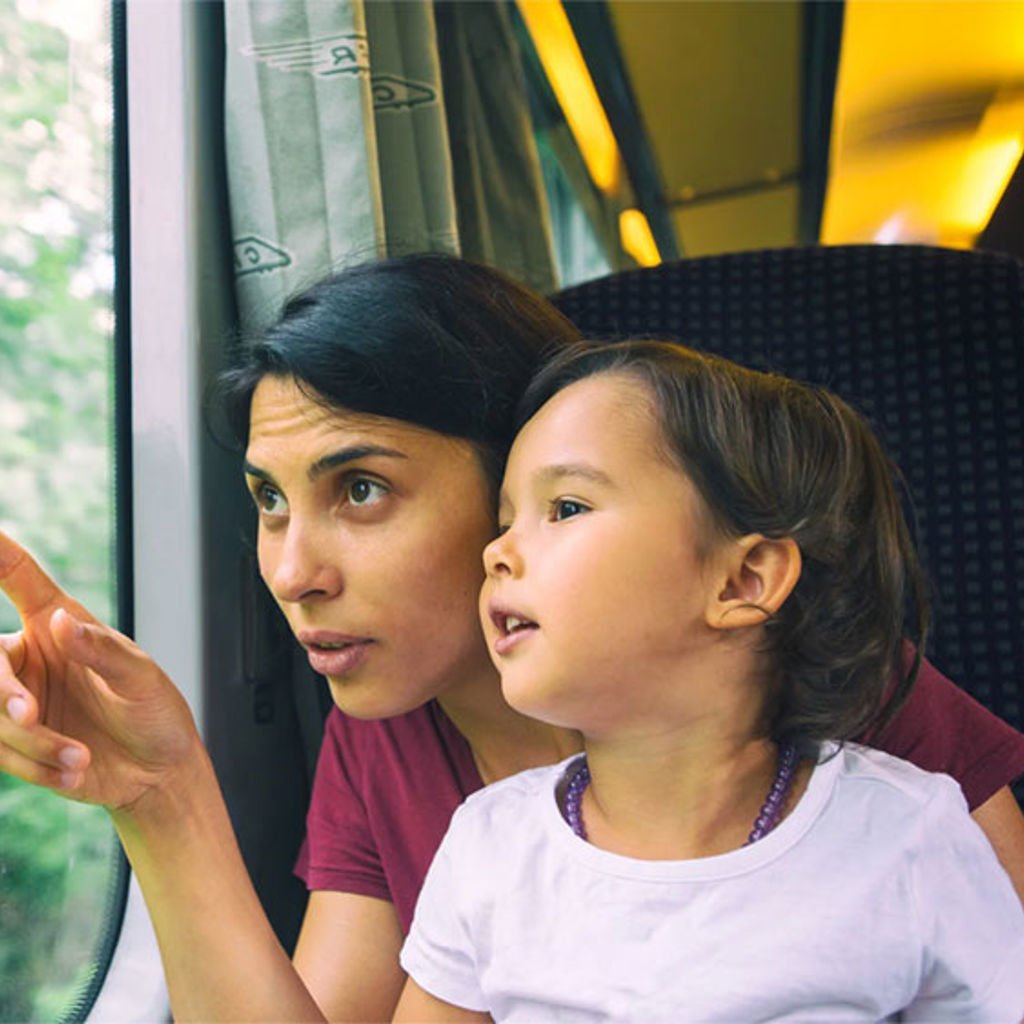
x=754, y=576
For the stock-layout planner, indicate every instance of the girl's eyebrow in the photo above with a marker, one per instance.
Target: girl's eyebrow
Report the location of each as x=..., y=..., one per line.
x=332, y=460
x=556, y=472
x=561, y=470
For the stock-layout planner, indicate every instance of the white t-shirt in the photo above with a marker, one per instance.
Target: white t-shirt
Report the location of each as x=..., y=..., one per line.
x=877, y=894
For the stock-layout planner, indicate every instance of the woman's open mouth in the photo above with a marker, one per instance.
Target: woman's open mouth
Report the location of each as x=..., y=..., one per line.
x=335, y=655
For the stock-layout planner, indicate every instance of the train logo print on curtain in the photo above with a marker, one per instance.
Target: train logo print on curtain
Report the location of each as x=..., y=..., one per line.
x=393, y=93
x=254, y=255
x=332, y=55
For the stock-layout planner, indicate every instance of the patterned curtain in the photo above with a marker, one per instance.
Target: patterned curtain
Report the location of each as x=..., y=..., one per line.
x=359, y=128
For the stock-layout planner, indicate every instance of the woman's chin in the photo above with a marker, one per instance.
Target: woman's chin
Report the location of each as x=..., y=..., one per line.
x=371, y=699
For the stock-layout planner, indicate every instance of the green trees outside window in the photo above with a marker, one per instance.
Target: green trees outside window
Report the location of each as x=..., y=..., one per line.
x=58, y=860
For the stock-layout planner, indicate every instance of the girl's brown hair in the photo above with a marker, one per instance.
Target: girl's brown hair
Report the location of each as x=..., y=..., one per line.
x=774, y=456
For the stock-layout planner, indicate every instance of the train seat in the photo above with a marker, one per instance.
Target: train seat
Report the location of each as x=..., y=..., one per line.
x=929, y=344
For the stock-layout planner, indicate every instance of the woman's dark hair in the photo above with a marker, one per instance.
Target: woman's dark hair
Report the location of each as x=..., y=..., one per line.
x=429, y=339
x=773, y=456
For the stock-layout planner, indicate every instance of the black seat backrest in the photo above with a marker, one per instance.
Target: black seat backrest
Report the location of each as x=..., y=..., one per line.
x=929, y=344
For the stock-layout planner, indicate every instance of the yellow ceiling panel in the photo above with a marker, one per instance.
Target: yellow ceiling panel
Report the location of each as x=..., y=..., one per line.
x=719, y=87
x=758, y=220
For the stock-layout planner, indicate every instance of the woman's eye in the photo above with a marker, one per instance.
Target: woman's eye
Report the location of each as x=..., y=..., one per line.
x=566, y=508
x=362, y=491
x=269, y=500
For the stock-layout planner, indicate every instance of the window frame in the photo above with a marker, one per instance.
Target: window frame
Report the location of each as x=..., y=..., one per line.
x=159, y=419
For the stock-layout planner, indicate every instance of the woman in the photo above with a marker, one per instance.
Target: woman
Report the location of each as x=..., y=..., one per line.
x=377, y=415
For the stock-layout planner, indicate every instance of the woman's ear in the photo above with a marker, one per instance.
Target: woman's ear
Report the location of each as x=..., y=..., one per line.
x=754, y=575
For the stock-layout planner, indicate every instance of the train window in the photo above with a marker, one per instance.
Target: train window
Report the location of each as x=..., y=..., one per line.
x=583, y=229
x=62, y=875
x=579, y=255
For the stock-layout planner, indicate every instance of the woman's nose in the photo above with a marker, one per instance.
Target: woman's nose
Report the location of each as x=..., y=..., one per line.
x=301, y=567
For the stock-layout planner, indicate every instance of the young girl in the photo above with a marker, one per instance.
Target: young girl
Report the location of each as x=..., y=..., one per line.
x=706, y=571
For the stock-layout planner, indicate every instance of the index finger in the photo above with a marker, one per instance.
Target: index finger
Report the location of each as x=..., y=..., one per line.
x=31, y=591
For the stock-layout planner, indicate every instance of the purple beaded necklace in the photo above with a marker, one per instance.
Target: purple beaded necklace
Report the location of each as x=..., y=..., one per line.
x=766, y=820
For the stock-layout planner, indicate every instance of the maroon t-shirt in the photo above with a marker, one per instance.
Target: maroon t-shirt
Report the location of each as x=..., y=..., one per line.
x=386, y=790
x=383, y=795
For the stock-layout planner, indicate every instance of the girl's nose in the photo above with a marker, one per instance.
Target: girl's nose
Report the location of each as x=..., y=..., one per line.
x=301, y=568
x=501, y=556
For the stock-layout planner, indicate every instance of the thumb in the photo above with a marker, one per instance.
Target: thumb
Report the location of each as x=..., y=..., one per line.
x=13, y=645
x=108, y=653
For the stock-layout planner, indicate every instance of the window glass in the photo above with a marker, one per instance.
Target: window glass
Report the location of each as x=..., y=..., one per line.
x=578, y=252
x=61, y=871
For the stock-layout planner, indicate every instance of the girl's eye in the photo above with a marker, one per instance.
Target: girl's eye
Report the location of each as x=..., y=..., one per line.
x=361, y=491
x=269, y=500
x=566, y=508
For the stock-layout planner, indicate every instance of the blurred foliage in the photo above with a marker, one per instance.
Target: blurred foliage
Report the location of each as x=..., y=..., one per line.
x=56, y=280
x=58, y=860
x=58, y=871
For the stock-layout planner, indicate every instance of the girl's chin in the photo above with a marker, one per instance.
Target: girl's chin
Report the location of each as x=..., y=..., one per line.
x=530, y=700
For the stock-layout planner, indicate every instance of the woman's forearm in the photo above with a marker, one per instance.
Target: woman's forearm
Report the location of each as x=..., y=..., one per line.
x=222, y=960
x=1001, y=820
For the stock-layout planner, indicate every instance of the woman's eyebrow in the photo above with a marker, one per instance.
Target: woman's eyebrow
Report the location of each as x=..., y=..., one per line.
x=260, y=474
x=346, y=455
x=332, y=460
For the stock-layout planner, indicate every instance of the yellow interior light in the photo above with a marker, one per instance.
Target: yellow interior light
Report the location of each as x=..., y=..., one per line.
x=637, y=240
x=570, y=80
x=908, y=160
x=988, y=165
x=987, y=171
